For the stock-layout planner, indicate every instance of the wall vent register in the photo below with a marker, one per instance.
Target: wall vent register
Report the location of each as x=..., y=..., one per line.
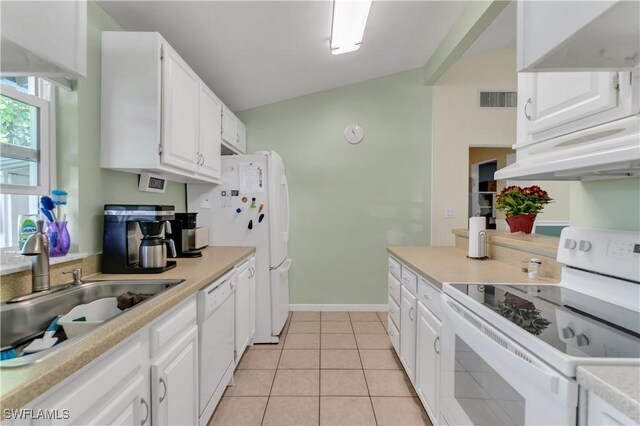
x=497, y=99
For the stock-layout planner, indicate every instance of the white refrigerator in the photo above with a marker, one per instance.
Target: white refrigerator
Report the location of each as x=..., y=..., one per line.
x=250, y=207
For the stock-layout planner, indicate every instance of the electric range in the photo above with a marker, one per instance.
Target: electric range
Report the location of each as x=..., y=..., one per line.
x=510, y=351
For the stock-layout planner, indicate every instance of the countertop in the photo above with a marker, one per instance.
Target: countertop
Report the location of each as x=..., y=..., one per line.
x=450, y=264
x=618, y=385
x=533, y=243
x=20, y=385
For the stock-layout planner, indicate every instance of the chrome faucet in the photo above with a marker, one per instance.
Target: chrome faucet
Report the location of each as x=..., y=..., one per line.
x=37, y=246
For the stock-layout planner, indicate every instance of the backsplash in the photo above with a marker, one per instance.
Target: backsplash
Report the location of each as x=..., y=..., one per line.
x=515, y=249
x=19, y=283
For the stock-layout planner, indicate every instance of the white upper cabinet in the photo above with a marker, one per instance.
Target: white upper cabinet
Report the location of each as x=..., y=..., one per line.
x=157, y=115
x=210, y=135
x=181, y=87
x=553, y=104
x=578, y=35
x=233, y=133
x=47, y=39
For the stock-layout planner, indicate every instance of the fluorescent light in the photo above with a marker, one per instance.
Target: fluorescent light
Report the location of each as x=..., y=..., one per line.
x=349, y=21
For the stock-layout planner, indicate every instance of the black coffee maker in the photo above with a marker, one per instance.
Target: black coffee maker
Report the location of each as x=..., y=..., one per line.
x=179, y=233
x=122, y=237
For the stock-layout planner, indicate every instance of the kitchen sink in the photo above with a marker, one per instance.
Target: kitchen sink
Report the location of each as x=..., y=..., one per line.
x=28, y=317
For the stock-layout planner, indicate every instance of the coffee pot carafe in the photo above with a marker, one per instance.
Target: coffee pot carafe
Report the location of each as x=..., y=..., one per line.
x=153, y=247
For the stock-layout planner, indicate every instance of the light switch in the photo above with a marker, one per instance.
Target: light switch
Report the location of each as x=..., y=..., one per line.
x=205, y=201
x=449, y=212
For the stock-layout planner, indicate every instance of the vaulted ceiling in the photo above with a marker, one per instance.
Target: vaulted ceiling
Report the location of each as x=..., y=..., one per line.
x=253, y=53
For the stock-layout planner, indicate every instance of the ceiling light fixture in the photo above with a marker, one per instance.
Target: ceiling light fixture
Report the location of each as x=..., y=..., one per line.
x=347, y=28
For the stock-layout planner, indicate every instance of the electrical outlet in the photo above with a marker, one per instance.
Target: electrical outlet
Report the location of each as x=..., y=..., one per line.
x=205, y=201
x=449, y=212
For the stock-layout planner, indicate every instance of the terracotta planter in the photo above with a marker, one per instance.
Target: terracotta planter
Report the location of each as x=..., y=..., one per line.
x=521, y=223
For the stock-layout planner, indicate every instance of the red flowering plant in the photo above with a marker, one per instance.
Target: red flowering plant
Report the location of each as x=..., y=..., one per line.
x=514, y=200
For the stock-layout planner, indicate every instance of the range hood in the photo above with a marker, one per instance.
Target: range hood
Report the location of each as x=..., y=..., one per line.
x=607, y=151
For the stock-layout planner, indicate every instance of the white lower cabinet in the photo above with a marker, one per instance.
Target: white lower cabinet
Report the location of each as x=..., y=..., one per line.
x=414, y=331
x=428, y=360
x=408, y=317
x=112, y=390
x=252, y=296
x=601, y=413
x=243, y=309
x=174, y=382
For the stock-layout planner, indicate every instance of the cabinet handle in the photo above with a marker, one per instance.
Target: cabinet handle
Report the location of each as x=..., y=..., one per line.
x=435, y=343
x=426, y=296
x=411, y=310
x=164, y=395
x=526, y=114
x=390, y=333
x=146, y=415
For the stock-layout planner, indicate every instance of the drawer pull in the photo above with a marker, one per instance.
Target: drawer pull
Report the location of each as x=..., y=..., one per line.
x=435, y=345
x=165, y=390
x=410, y=317
x=426, y=296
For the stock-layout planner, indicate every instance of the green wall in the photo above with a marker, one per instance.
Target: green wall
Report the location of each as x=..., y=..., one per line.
x=613, y=204
x=78, y=150
x=349, y=202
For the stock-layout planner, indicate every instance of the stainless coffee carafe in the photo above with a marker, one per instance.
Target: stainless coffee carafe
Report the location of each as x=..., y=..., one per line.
x=153, y=247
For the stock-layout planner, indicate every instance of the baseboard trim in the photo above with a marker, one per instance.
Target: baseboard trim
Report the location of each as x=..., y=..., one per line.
x=339, y=307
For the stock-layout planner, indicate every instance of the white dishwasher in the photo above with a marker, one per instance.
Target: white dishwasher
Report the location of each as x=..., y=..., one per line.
x=216, y=332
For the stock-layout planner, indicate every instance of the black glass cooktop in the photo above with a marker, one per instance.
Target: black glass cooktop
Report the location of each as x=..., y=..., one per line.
x=571, y=322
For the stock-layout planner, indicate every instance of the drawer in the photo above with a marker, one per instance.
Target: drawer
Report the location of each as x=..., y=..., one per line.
x=171, y=327
x=409, y=280
x=394, y=288
x=394, y=267
x=394, y=335
x=394, y=312
x=429, y=296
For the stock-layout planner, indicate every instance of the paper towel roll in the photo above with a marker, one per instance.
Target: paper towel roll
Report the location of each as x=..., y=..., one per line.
x=476, y=225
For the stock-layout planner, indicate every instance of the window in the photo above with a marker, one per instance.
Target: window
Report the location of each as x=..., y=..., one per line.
x=26, y=150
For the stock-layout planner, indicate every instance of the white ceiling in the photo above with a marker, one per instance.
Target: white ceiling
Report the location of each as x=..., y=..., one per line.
x=253, y=53
x=501, y=33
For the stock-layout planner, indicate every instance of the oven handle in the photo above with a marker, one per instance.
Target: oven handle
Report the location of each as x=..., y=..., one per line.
x=504, y=359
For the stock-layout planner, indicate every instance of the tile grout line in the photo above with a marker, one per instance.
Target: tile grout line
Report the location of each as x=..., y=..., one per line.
x=264, y=413
x=375, y=418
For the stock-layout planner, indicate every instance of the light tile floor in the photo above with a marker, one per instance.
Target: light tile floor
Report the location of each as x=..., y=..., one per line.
x=330, y=368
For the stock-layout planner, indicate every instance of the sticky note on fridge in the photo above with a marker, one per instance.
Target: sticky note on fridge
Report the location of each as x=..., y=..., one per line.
x=260, y=218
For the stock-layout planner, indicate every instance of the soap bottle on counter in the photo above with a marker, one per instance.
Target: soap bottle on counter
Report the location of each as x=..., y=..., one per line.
x=26, y=228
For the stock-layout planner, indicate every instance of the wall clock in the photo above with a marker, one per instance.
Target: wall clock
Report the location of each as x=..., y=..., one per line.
x=354, y=133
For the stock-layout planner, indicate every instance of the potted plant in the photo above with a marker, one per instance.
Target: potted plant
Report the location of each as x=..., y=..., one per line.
x=521, y=205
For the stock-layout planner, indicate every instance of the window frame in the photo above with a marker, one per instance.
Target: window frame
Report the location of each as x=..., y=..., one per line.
x=46, y=139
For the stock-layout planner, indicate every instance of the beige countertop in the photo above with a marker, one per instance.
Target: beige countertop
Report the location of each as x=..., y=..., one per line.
x=617, y=385
x=450, y=264
x=20, y=385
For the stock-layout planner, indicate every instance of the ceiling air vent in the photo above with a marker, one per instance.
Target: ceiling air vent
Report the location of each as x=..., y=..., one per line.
x=488, y=99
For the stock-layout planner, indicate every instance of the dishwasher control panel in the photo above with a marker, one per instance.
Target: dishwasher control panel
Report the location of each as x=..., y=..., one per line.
x=212, y=296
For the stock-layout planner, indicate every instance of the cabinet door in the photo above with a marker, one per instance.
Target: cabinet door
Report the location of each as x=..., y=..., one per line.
x=242, y=137
x=180, y=87
x=408, y=316
x=428, y=360
x=243, y=309
x=229, y=127
x=210, y=133
x=174, y=383
x=550, y=100
x=252, y=297
x=129, y=408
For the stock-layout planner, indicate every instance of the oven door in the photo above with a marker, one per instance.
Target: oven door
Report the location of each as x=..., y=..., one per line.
x=487, y=379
